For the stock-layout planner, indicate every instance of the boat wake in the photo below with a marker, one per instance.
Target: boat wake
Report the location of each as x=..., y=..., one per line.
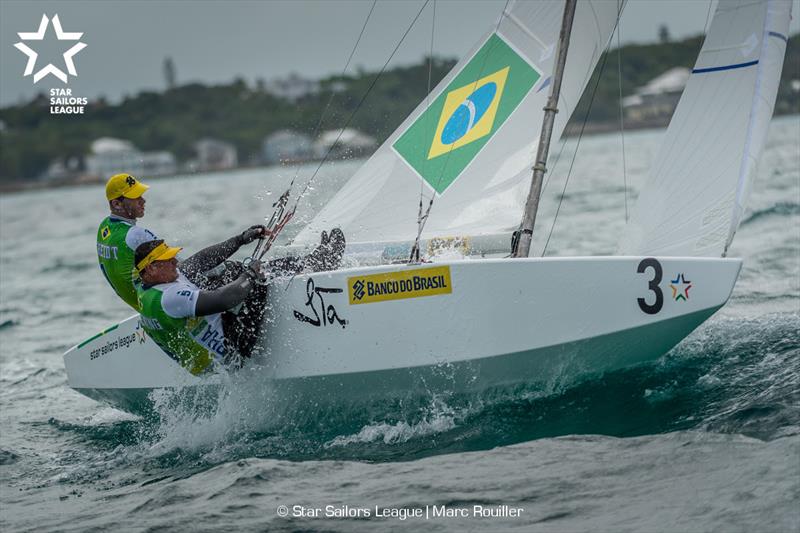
x=733, y=375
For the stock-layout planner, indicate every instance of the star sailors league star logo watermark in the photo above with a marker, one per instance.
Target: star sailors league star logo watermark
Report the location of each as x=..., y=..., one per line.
x=61, y=100
x=38, y=35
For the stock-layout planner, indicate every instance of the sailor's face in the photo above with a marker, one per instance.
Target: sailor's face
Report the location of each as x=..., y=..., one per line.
x=163, y=271
x=132, y=208
x=171, y=269
x=135, y=206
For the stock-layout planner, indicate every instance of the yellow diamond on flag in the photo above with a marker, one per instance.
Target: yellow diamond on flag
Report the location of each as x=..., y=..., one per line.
x=468, y=113
x=105, y=232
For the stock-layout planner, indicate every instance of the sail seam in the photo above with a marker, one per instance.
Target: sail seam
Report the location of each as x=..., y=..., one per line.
x=513, y=18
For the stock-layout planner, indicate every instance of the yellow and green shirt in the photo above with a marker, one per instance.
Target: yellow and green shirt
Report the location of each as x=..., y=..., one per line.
x=168, y=317
x=117, y=239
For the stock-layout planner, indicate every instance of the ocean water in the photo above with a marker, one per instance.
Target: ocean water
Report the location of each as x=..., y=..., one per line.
x=706, y=438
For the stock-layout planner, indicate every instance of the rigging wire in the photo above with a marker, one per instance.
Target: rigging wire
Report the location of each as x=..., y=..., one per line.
x=278, y=220
x=580, y=136
x=422, y=220
x=361, y=102
x=621, y=114
x=289, y=215
x=414, y=256
x=344, y=70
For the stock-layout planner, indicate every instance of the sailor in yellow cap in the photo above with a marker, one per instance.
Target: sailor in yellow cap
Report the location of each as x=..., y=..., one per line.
x=118, y=235
x=197, y=327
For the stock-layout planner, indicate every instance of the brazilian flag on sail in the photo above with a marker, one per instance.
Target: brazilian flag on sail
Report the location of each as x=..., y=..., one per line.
x=447, y=136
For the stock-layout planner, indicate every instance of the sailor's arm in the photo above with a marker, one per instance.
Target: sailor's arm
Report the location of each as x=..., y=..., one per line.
x=208, y=258
x=230, y=295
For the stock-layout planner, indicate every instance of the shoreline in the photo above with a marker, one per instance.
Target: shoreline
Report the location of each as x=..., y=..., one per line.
x=571, y=130
x=7, y=188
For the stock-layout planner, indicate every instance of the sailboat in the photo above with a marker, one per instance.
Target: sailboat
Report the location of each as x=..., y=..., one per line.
x=480, y=320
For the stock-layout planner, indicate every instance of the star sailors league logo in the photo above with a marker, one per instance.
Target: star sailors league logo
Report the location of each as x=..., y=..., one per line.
x=62, y=101
x=61, y=35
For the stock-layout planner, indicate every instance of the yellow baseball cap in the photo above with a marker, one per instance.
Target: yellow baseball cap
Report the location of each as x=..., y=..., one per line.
x=124, y=185
x=152, y=251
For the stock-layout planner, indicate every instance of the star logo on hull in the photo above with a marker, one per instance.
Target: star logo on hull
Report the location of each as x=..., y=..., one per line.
x=61, y=35
x=680, y=287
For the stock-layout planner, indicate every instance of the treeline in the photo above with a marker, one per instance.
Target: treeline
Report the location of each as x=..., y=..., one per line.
x=244, y=114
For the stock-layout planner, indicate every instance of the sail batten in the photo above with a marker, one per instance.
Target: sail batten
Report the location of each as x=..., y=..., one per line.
x=695, y=196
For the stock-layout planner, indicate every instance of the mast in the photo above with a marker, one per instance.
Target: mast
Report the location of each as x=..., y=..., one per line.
x=525, y=232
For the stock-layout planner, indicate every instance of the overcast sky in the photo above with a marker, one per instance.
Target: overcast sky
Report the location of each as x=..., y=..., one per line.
x=215, y=41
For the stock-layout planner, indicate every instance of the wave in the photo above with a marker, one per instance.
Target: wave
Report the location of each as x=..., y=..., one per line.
x=7, y=457
x=439, y=419
x=60, y=265
x=779, y=209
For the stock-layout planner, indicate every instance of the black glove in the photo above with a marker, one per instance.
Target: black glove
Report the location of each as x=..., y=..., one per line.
x=328, y=255
x=255, y=272
x=250, y=234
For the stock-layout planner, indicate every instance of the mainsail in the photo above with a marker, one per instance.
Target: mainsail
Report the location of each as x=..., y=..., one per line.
x=695, y=197
x=472, y=141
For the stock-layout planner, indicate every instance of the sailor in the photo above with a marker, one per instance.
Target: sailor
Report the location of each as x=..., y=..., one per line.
x=189, y=309
x=198, y=327
x=118, y=235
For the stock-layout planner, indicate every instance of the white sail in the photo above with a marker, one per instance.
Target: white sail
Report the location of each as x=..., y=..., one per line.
x=695, y=196
x=472, y=141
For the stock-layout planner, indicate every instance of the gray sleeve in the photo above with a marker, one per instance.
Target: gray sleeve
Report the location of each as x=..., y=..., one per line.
x=208, y=258
x=224, y=298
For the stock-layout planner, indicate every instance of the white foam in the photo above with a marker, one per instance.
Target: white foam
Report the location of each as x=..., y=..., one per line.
x=244, y=403
x=440, y=418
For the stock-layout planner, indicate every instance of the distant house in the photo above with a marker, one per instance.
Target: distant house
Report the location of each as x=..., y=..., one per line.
x=111, y=156
x=287, y=146
x=158, y=164
x=656, y=101
x=344, y=144
x=292, y=88
x=213, y=154
x=62, y=169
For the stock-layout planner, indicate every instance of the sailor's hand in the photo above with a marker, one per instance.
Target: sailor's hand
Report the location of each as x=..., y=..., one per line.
x=255, y=271
x=250, y=234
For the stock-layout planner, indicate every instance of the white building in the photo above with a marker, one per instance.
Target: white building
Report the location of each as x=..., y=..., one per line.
x=656, y=100
x=287, y=146
x=213, y=154
x=292, y=88
x=344, y=144
x=111, y=156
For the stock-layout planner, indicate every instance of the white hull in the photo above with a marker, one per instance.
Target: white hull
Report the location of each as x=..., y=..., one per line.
x=497, y=323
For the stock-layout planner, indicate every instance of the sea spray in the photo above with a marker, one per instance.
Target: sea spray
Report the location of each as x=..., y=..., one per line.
x=204, y=418
x=437, y=418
